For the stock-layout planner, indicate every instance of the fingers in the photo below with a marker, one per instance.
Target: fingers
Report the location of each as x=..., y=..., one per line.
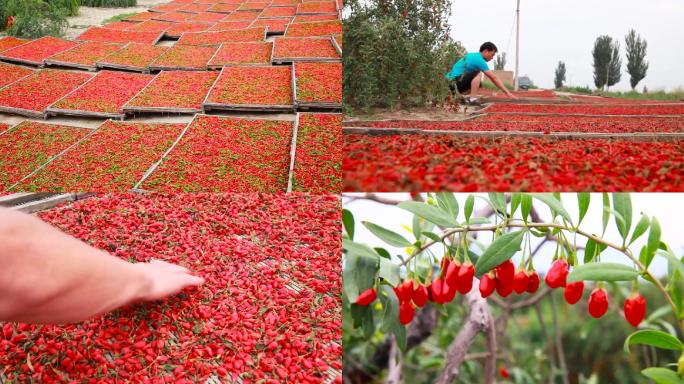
x=169, y=266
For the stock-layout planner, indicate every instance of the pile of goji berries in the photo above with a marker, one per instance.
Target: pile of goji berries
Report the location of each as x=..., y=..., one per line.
x=269, y=312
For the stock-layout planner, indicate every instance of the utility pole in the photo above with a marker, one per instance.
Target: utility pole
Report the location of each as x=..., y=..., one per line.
x=517, y=46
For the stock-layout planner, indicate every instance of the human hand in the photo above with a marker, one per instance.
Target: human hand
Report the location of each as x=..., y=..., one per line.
x=512, y=96
x=165, y=279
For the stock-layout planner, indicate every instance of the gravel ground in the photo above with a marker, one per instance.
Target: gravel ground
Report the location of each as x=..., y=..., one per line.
x=88, y=16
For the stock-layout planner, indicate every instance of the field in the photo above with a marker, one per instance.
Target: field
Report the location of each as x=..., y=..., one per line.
x=172, y=65
x=522, y=147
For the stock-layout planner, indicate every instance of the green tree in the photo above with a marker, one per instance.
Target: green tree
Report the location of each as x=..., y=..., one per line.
x=636, y=55
x=607, y=62
x=560, y=75
x=500, y=62
x=396, y=53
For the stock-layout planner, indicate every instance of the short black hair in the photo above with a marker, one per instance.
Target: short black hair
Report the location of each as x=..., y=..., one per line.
x=488, y=46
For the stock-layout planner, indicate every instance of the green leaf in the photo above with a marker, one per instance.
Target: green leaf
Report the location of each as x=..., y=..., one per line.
x=468, y=210
x=516, y=198
x=555, y=205
x=589, y=251
x=673, y=262
x=389, y=237
x=417, y=228
x=583, y=199
x=498, y=201
x=389, y=271
x=653, y=241
x=382, y=252
x=606, y=211
x=348, y=222
x=359, y=249
x=429, y=213
x=640, y=228
x=622, y=204
x=602, y=272
x=654, y=338
x=390, y=315
x=432, y=236
x=526, y=206
x=501, y=249
x=358, y=274
x=448, y=203
x=479, y=220
x=662, y=376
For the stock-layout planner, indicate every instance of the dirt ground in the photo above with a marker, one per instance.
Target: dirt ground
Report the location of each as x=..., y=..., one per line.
x=88, y=16
x=413, y=114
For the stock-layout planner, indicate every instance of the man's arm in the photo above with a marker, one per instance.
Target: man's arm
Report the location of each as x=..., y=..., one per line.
x=499, y=84
x=47, y=276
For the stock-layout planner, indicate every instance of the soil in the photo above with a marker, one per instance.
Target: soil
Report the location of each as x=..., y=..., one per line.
x=426, y=113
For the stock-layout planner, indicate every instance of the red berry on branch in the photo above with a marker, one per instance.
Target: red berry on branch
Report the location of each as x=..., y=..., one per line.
x=556, y=276
x=520, y=282
x=406, y=312
x=505, y=273
x=420, y=295
x=533, y=282
x=573, y=292
x=437, y=291
x=503, y=372
x=487, y=286
x=504, y=288
x=635, y=309
x=465, y=278
x=451, y=275
x=367, y=297
x=404, y=291
x=449, y=292
x=598, y=303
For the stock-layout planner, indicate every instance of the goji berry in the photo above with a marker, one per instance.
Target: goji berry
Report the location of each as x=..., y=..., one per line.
x=573, y=292
x=557, y=274
x=635, y=309
x=598, y=303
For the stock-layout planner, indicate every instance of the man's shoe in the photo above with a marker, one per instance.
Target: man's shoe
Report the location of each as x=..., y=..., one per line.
x=474, y=101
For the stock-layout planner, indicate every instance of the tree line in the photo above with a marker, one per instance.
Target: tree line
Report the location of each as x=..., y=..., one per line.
x=608, y=63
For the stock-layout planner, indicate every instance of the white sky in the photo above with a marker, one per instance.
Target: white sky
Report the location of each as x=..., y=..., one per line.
x=667, y=207
x=553, y=30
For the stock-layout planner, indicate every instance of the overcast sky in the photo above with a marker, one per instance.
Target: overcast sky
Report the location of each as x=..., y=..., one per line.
x=667, y=207
x=553, y=30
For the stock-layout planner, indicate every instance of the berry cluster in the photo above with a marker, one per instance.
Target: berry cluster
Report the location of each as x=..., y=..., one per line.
x=456, y=277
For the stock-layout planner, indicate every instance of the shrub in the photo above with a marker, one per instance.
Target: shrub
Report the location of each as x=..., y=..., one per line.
x=397, y=56
x=35, y=18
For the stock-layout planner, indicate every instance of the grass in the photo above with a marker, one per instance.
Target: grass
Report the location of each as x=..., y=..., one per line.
x=118, y=18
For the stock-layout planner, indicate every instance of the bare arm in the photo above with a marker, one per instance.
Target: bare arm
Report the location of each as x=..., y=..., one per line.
x=47, y=276
x=499, y=84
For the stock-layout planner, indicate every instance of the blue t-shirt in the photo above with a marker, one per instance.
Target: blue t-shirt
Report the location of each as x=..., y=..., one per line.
x=469, y=63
